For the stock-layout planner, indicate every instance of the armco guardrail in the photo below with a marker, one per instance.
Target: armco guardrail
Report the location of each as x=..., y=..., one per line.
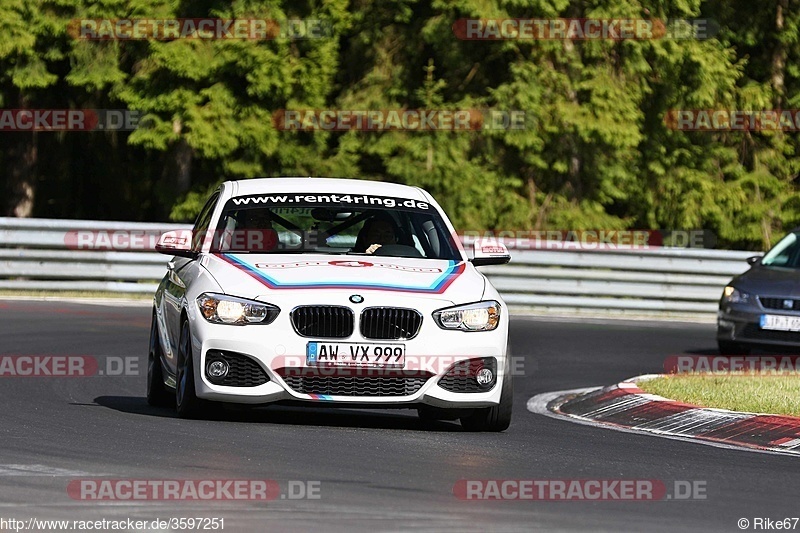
x=43, y=254
x=653, y=281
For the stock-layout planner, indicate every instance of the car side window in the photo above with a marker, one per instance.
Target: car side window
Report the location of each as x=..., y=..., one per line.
x=782, y=259
x=784, y=254
x=202, y=223
x=793, y=261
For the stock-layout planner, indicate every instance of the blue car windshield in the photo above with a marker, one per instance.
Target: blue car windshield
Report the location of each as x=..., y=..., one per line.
x=784, y=254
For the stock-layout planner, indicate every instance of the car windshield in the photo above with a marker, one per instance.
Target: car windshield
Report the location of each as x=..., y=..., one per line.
x=784, y=254
x=332, y=224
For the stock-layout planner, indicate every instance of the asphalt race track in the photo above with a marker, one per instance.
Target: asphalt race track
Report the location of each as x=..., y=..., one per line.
x=377, y=470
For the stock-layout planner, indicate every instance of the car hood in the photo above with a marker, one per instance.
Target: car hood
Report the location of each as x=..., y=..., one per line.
x=770, y=281
x=252, y=275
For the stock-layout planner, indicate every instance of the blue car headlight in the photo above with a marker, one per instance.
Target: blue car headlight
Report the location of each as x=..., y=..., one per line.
x=732, y=295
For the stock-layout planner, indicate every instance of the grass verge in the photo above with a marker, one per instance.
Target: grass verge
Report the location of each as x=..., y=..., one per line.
x=772, y=394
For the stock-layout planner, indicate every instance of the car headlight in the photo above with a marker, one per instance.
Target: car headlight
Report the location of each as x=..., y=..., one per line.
x=223, y=309
x=735, y=296
x=480, y=316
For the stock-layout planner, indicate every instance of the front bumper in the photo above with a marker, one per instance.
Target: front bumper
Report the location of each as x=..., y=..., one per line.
x=740, y=324
x=281, y=353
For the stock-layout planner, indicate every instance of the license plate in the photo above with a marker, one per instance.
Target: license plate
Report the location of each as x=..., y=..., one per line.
x=356, y=354
x=780, y=322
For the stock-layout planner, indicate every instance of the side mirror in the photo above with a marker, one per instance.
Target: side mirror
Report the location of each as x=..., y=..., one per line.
x=754, y=259
x=490, y=253
x=177, y=243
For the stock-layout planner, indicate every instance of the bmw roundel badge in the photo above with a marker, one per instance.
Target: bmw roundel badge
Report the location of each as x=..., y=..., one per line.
x=356, y=298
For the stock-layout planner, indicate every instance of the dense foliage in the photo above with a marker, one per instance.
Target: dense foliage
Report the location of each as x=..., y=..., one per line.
x=597, y=153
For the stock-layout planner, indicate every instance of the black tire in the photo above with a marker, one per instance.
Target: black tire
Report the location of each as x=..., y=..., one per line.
x=187, y=403
x=496, y=418
x=732, y=348
x=157, y=394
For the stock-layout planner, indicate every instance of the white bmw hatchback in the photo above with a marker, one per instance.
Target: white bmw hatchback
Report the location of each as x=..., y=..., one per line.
x=329, y=292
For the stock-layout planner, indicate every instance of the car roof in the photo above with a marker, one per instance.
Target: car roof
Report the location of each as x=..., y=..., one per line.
x=324, y=186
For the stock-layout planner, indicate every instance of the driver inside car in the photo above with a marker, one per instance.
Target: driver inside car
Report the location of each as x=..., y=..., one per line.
x=376, y=232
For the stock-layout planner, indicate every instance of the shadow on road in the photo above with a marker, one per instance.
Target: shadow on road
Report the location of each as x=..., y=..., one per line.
x=286, y=415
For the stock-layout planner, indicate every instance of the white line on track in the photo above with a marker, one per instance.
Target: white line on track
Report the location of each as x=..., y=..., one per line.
x=39, y=470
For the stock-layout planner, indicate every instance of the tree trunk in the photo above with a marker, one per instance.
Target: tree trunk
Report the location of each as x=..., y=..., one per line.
x=21, y=157
x=532, y=196
x=183, y=166
x=779, y=54
x=179, y=163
